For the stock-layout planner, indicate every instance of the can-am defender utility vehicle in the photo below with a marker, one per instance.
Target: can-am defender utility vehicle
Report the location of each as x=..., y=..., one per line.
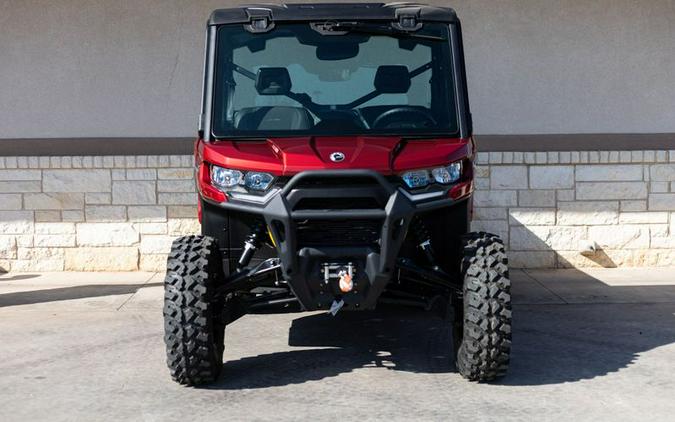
x=334, y=169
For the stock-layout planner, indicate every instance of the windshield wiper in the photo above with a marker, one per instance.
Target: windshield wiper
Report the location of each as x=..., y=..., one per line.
x=374, y=29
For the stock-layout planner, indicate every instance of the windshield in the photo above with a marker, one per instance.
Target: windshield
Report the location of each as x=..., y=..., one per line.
x=298, y=80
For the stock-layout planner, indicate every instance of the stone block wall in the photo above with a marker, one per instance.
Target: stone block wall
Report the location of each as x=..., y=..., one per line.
x=121, y=213
x=548, y=206
x=99, y=213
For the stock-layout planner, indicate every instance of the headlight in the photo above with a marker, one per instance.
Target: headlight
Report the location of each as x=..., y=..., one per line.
x=444, y=175
x=449, y=174
x=228, y=179
x=416, y=179
x=258, y=181
x=225, y=178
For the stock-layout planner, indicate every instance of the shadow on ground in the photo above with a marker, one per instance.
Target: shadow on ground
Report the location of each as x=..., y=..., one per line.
x=393, y=339
x=552, y=343
x=69, y=293
x=565, y=343
x=18, y=277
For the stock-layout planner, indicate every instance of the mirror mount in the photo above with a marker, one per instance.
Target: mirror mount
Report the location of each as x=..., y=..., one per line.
x=326, y=28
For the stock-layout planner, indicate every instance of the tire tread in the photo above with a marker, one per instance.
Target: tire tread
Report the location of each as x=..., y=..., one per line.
x=194, y=347
x=484, y=352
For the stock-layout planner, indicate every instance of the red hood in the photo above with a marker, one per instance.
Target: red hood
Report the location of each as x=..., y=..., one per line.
x=288, y=156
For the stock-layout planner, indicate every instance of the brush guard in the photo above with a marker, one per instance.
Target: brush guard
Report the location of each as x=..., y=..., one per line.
x=298, y=273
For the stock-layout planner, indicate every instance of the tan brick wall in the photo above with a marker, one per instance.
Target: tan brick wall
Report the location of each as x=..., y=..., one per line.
x=121, y=213
x=548, y=206
x=94, y=213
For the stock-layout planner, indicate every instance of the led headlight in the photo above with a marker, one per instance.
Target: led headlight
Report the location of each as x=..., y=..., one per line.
x=226, y=178
x=448, y=174
x=235, y=180
x=258, y=181
x=443, y=175
x=417, y=178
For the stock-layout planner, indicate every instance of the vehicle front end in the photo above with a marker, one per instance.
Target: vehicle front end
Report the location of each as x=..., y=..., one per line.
x=334, y=167
x=330, y=142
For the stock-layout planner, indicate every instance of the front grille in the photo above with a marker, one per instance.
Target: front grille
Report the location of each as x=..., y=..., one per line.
x=337, y=204
x=338, y=232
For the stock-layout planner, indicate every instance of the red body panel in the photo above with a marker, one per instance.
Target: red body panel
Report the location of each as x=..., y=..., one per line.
x=289, y=156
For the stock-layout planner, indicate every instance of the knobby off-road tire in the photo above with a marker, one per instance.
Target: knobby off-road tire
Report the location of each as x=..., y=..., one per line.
x=193, y=327
x=485, y=346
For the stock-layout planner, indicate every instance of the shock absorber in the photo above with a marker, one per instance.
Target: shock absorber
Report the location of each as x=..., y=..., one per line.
x=424, y=237
x=252, y=243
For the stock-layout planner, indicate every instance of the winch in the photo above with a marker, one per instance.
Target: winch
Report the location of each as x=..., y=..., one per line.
x=344, y=273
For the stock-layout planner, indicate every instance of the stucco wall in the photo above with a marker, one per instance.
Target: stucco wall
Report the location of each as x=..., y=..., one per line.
x=121, y=213
x=71, y=68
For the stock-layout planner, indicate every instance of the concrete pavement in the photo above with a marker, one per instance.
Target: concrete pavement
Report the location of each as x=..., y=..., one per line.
x=593, y=345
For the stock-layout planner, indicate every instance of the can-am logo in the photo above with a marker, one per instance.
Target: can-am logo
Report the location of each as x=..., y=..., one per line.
x=336, y=157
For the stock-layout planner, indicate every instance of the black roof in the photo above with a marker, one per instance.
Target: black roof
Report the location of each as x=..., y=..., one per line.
x=329, y=11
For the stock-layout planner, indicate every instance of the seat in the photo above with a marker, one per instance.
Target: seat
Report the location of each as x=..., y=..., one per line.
x=273, y=118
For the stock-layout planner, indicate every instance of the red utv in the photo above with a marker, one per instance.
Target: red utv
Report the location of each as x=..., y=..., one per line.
x=334, y=168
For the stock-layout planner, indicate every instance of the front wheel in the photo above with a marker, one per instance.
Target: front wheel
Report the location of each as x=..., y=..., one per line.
x=483, y=351
x=193, y=325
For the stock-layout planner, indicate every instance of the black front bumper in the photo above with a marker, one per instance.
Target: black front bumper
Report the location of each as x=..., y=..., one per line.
x=301, y=261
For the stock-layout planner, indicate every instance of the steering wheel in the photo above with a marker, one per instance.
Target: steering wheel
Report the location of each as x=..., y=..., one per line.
x=395, y=118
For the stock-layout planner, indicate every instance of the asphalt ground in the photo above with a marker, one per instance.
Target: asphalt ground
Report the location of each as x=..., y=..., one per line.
x=595, y=345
